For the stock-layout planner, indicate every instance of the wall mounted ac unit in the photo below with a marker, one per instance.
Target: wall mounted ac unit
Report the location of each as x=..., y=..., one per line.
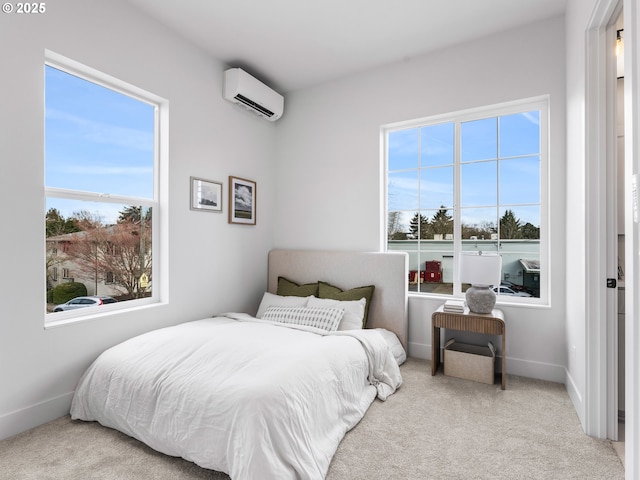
x=242, y=88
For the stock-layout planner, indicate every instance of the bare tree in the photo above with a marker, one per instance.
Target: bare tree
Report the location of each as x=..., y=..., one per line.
x=130, y=257
x=394, y=226
x=122, y=250
x=86, y=248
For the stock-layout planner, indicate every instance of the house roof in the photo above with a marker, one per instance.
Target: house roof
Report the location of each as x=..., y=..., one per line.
x=530, y=266
x=67, y=237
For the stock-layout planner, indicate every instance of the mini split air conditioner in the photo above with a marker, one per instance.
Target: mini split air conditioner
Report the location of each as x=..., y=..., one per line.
x=242, y=88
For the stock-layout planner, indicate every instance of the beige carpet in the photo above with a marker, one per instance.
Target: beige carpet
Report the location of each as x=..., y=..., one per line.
x=432, y=428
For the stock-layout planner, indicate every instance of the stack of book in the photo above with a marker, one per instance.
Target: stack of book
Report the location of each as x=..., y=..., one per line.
x=454, y=306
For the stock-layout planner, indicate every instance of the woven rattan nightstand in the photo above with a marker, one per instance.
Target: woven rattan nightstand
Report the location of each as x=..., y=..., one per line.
x=489, y=324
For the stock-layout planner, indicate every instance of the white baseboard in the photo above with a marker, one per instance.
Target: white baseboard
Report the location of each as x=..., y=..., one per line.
x=539, y=370
x=576, y=398
x=26, y=418
x=419, y=350
x=515, y=366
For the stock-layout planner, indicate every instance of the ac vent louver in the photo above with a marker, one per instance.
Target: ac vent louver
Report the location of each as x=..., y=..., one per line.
x=243, y=89
x=252, y=104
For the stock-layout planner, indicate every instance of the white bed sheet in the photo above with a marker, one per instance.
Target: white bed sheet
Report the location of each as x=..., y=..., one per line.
x=240, y=395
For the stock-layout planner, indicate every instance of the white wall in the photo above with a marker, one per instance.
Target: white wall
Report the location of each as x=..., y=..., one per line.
x=577, y=19
x=213, y=266
x=329, y=169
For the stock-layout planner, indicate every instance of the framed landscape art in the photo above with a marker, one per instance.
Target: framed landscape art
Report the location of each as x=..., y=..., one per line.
x=242, y=201
x=206, y=195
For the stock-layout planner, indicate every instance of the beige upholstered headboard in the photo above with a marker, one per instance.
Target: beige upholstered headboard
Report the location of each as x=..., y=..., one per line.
x=387, y=271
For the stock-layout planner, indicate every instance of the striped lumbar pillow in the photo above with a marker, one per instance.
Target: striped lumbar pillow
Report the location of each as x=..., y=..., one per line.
x=324, y=318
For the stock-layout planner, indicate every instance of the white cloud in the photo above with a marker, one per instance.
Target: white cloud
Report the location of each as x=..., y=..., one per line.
x=243, y=197
x=104, y=133
x=104, y=170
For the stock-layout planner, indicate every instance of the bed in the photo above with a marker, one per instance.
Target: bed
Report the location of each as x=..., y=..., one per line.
x=261, y=398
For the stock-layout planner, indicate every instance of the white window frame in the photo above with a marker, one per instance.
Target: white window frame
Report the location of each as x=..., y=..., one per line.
x=159, y=232
x=540, y=103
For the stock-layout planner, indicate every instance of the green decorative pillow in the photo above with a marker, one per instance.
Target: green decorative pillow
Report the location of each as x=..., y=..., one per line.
x=287, y=288
x=326, y=290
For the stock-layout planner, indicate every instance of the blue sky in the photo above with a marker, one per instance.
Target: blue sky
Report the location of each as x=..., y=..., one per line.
x=425, y=156
x=102, y=141
x=96, y=140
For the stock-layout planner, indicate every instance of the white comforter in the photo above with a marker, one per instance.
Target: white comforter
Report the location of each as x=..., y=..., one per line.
x=240, y=395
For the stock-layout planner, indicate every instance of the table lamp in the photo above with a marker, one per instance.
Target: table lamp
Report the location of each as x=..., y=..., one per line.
x=482, y=271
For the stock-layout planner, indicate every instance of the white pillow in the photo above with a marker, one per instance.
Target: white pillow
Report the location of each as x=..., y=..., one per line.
x=324, y=318
x=394, y=345
x=269, y=300
x=353, y=310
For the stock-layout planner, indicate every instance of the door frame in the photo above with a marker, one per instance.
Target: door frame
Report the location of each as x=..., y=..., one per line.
x=599, y=417
x=600, y=154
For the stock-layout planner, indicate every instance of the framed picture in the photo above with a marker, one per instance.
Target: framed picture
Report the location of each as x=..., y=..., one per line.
x=206, y=195
x=242, y=201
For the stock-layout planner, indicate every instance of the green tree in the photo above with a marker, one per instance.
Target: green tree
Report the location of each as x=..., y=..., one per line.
x=66, y=291
x=56, y=224
x=530, y=231
x=510, y=225
x=442, y=222
x=418, y=226
x=134, y=214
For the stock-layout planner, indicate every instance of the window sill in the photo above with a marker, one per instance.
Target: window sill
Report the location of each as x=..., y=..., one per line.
x=105, y=312
x=499, y=304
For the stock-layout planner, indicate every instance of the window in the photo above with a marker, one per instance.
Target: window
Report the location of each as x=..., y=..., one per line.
x=101, y=185
x=471, y=181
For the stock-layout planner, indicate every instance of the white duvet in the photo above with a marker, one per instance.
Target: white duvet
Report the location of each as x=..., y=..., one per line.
x=243, y=396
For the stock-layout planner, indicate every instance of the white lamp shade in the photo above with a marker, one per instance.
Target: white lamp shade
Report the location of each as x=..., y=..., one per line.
x=480, y=269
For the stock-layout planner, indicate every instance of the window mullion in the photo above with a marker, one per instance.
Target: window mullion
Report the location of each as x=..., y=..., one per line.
x=457, y=214
x=55, y=192
x=498, y=202
x=419, y=176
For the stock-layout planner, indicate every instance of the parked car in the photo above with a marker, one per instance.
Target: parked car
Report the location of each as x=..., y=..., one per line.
x=508, y=291
x=81, y=302
x=516, y=287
